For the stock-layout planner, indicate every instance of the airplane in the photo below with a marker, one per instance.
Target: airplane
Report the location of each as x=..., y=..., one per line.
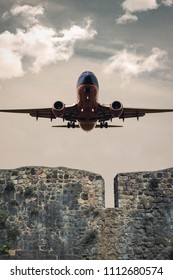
x=87, y=113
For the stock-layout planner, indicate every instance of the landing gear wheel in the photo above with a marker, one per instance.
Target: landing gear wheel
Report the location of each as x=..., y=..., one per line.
x=104, y=124
x=71, y=124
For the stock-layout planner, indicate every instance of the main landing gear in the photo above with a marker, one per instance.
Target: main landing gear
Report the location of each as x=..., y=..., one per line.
x=71, y=124
x=103, y=124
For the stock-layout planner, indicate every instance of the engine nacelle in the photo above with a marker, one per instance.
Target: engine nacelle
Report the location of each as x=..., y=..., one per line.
x=116, y=108
x=58, y=109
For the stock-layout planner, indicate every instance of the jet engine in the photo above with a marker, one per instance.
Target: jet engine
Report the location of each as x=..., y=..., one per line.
x=58, y=109
x=116, y=108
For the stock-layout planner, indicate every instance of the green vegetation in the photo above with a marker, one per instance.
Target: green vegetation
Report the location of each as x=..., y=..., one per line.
x=4, y=249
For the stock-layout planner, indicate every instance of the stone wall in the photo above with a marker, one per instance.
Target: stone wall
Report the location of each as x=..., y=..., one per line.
x=59, y=213
x=46, y=212
x=146, y=200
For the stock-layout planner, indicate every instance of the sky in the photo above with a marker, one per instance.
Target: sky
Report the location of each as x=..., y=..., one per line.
x=46, y=45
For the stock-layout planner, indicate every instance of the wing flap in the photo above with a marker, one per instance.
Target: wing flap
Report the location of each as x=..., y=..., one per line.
x=43, y=113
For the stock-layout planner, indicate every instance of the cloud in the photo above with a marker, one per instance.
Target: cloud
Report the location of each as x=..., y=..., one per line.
x=41, y=45
x=11, y=65
x=126, y=18
x=28, y=10
x=134, y=6
x=167, y=3
x=30, y=13
x=47, y=46
x=139, y=5
x=129, y=64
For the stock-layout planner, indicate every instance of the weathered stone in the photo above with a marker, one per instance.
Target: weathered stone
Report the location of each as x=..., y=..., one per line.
x=58, y=213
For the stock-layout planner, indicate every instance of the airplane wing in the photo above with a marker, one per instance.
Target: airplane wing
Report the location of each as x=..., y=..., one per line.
x=104, y=112
x=38, y=113
x=139, y=112
x=70, y=112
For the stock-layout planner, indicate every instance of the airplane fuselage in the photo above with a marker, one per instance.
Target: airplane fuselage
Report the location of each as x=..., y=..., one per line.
x=87, y=100
x=87, y=106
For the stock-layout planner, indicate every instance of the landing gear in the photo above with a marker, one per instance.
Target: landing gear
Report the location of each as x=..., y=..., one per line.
x=103, y=124
x=71, y=124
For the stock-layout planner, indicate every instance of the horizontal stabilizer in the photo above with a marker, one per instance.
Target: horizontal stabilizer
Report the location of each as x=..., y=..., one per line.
x=77, y=126
x=109, y=125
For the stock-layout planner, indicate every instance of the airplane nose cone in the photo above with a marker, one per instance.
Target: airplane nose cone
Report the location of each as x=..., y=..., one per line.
x=87, y=78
